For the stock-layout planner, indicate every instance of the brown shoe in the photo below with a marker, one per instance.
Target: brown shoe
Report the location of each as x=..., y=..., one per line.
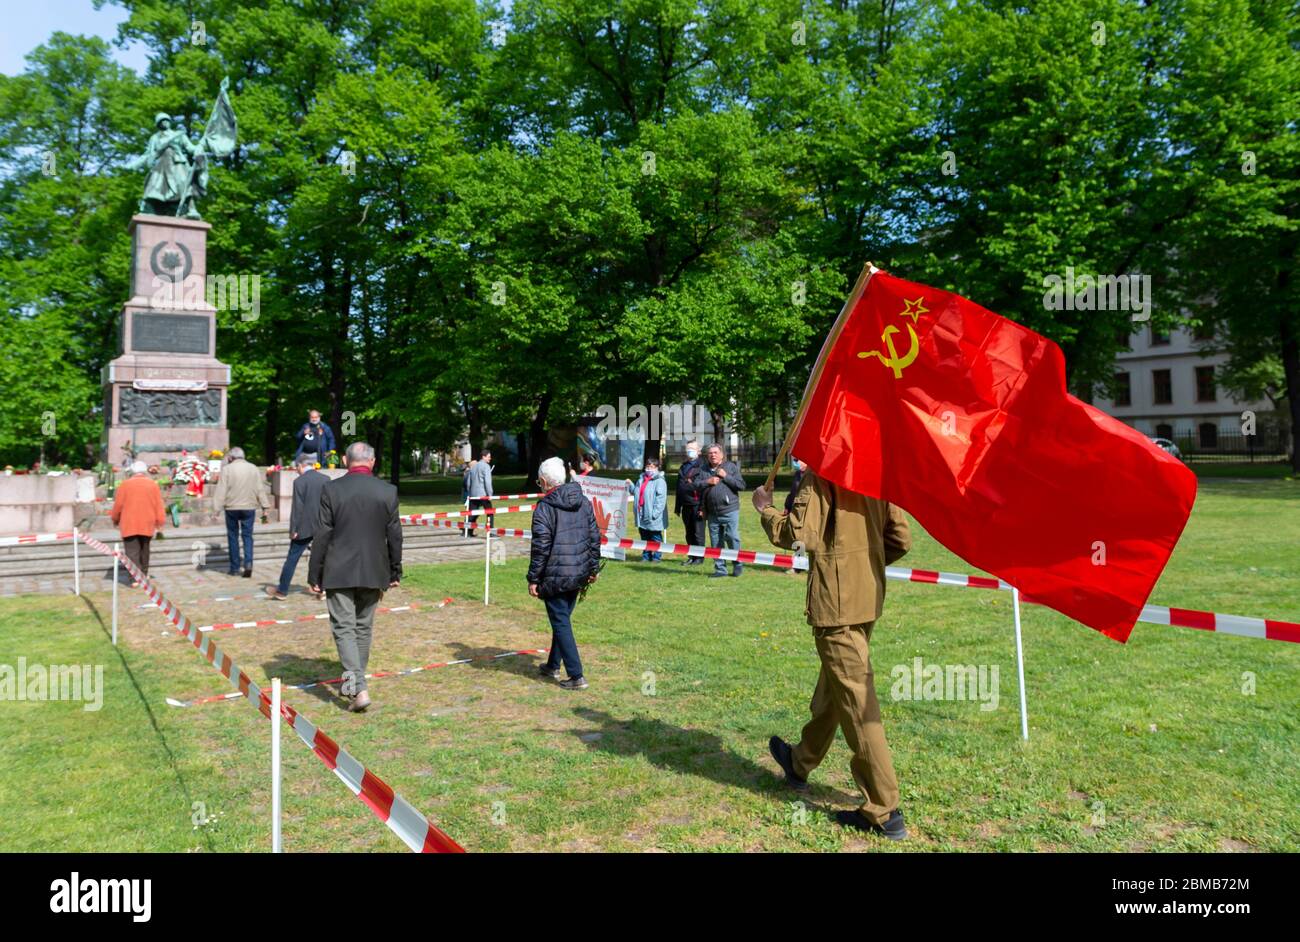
x=276, y=594
x=360, y=702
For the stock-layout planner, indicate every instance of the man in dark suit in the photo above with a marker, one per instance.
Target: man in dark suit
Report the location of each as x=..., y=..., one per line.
x=302, y=519
x=356, y=555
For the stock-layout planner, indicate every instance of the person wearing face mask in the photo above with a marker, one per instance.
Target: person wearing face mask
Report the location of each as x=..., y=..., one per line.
x=687, y=504
x=650, y=498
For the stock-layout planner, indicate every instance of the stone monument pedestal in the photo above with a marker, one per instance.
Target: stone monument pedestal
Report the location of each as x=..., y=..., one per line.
x=165, y=392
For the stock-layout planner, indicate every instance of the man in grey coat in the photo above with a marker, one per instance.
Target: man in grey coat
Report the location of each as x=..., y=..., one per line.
x=718, y=481
x=356, y=555
x=302, y=519
x=480, y=489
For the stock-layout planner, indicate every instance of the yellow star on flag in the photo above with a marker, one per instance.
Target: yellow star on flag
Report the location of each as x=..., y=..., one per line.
x=914, y=312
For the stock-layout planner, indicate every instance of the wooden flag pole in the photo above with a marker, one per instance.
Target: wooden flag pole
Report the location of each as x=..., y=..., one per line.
x=858, y=289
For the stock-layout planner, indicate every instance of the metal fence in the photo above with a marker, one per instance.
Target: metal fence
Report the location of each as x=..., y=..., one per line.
x=1208, y=444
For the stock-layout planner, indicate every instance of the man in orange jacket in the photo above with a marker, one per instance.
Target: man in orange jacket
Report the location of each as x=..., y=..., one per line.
x=138, y=514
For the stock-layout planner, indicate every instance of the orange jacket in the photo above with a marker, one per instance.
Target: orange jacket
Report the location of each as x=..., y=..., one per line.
x=138, y=507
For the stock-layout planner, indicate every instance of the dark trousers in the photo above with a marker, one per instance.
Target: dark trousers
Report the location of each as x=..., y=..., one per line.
x=239, y=524
x=559, y=610
x=694, y=526
x=137, y=550
x=296, y=549
x=651, y=536
x=477, y=503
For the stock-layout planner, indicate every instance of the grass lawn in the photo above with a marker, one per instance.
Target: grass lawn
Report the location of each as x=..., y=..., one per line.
x=1179, y=740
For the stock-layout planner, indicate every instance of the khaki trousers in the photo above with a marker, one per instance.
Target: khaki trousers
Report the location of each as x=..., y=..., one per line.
x=845, y=698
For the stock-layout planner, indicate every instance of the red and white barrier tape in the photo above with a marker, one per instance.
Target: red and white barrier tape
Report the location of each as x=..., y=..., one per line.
x=1266, y=628
x=779, y=560
x=266, y=622
x=946, y=578
x=26, y=538
x=1246, y=626
x=337, y=680
x=519, y=496
x=413, y=828
x=231, y=598
x=477, y=512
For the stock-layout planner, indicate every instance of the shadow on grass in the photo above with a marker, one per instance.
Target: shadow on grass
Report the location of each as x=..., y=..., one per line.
x=484, y=658
x=148, y=710
x=674, y=749
x=294, y=669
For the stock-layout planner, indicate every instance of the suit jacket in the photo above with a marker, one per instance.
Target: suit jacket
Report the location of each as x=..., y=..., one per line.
x=849, y=539
x=357, y=541
x=306, y=503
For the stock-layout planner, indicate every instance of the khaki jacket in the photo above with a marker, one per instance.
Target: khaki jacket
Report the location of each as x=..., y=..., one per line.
x=242, y=487
x=849, y=539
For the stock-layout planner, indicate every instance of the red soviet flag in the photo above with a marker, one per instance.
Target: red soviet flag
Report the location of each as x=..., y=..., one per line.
x=962, y=418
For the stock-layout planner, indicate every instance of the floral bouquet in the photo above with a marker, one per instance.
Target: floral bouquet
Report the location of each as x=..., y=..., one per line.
x=192, y=471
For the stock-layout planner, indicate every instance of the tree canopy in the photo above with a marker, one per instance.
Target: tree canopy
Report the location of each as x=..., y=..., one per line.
x=467, y=218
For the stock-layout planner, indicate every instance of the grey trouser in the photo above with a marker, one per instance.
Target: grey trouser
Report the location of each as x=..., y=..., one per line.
x=352, y=616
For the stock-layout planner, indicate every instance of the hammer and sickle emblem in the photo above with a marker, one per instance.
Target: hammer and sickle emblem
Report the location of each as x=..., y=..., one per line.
x=893, y=360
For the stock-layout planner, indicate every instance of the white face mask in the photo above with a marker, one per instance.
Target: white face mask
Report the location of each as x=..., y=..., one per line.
x=692, y=453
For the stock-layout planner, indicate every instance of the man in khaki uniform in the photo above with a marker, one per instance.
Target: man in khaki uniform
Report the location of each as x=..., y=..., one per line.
x=849, y=540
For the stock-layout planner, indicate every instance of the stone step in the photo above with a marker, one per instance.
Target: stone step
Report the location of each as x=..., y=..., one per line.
x=179, y=549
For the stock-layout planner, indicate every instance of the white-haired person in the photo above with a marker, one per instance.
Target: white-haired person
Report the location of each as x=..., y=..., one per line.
x=138, y=514
x=565, y=558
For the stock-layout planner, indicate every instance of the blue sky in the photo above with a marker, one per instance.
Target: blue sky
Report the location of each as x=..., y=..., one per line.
x=28, y=23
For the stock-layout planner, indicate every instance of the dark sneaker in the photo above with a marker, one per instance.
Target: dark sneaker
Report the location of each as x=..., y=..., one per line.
x=784, y=757
x=574, y=683
x=717, y=575
x=893, y=828
x=248, y=573
x=551, y=672
x=737, y=569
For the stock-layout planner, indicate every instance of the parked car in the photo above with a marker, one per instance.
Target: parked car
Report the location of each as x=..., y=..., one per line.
x=1165, y=444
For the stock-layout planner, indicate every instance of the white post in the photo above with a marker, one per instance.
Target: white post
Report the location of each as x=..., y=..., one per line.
x=465, y=521
x=276, y=846
x=487, y=564
x=117, y=550
x=1020, y=666
x=76, y=563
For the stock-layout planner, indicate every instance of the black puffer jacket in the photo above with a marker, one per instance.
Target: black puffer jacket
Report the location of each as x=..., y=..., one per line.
x=566, y=542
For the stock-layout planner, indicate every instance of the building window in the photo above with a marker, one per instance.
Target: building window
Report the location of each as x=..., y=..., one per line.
x=1165, y=431
x=1204, y=331
x=1164, y=387
x=1208, y=435
x=1159, y=338
x=1123, y=340
x=1123, y=390
x=1205, y=389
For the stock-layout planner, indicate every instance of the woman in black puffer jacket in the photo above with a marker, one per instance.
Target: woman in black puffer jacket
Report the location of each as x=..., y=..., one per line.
x=565, y=557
